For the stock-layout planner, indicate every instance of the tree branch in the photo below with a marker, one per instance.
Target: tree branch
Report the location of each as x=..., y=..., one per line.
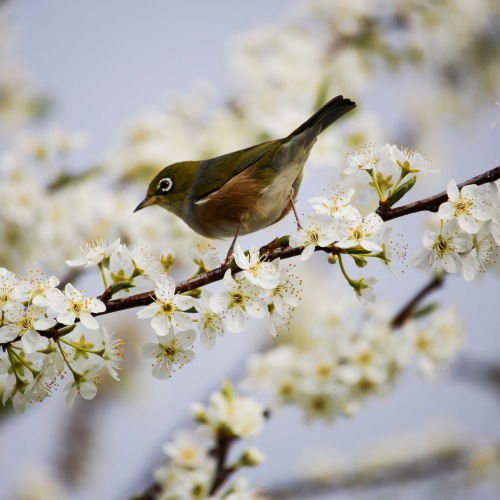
x=432, y=203
x=434, y=465
x=279, y=248
x=276, y=249
x=407, y=311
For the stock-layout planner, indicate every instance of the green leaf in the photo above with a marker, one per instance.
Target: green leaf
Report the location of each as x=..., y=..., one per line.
x=121, y=285
x=424, y=311
x=401, y=191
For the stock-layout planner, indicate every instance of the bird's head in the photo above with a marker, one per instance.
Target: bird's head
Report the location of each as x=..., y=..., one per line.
x=170, y=188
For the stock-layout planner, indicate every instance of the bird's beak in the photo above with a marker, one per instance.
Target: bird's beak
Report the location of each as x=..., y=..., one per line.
x=146, y=202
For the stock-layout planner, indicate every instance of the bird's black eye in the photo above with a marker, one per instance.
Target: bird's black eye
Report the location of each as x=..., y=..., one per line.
x=165, y=185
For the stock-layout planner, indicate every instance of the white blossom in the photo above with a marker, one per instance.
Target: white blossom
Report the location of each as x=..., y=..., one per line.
x=95, y=252
x=167, y=309
x=467, y=205
x=25, y=322
x=205, y=258
x=8, y=287
x=316, y=231
x=492, y=198
x=171, y=349
x=82, y=385
x=113, y=352
x=443, y=249
x=358, y=231
x=238, y=299
x=41, y=290
x=336, y=205
x=364, y=289
x=439, y=342
x=256, y=271
x=242, y=416
x=188, y=449
x=73, y=305
x=210, y=323
x=411, y=161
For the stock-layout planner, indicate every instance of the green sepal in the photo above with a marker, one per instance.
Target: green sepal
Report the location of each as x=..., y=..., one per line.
x=401, y=191
x=196, y=293
x=359, y=260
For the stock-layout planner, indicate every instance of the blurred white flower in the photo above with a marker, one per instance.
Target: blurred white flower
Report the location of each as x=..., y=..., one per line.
x=242, y=416
x=439, y=342
x=188, y=449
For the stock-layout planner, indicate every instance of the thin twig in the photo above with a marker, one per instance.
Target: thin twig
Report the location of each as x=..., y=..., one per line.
x=407, y=311
x=222, y=472
x=432, y=203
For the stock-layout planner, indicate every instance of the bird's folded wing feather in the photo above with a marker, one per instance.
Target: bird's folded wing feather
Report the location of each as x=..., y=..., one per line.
x=216, y=172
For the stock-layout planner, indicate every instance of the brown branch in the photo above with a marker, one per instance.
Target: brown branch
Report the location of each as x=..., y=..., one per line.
x=278, y=248
x=434, y=465
x=407, y=311
x=432, y=203
x=220, y=453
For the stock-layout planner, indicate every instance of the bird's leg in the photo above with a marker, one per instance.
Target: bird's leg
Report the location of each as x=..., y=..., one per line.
x=230, y=252
x=299, y=225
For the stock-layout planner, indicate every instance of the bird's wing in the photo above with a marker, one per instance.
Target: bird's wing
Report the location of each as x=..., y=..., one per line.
x=215, y=172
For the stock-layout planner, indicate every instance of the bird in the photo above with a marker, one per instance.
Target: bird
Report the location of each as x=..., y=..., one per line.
x=244, y=191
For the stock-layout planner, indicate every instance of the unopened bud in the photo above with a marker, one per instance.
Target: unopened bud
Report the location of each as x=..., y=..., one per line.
x=252, y=457
x=333, y=258
x=167, y=259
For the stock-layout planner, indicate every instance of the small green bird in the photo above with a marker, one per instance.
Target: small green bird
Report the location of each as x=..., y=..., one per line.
x=244, y=191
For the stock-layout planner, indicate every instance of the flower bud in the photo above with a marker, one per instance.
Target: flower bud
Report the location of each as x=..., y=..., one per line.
x=251, y=457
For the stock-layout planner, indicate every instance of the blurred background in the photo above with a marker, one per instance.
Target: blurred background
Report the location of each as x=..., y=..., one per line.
x=105, y=95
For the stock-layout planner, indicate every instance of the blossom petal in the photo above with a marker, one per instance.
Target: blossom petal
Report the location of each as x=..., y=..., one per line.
x=88, y=321
x=236, y=320
x=32, y=341
x=8, y=333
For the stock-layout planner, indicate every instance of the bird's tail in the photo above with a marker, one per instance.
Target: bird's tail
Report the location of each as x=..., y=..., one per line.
x=325, y=116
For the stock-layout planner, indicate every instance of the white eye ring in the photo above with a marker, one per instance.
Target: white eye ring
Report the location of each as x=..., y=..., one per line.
x=165, y=185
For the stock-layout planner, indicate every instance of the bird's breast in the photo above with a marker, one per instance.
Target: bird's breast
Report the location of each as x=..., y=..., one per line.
x=247, y=201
